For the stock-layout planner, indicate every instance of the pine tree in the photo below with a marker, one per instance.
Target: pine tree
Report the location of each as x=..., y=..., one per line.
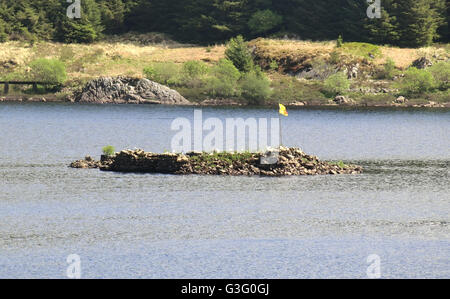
x=86, y=29
x=384, y=30
x=113, y=13
x=443, y=31
x=323, y=20
x=418, y=21
x=238, y=53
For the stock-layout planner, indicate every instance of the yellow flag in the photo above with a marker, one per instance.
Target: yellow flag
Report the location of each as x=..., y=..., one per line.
x=283, y=110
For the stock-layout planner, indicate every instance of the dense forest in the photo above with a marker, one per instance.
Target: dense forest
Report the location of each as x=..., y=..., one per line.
x=405, y=23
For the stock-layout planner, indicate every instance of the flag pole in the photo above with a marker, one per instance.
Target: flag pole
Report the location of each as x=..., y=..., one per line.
x=281, y=132
x=283, y=112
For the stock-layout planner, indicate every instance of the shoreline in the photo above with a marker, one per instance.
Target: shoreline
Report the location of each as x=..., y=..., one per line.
x=224, y=103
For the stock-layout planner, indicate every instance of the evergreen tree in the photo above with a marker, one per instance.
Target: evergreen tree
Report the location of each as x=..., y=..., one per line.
x=384, y=30
x=264, y=21
x=86, y=29
x=113, y=13
x=418, y=21
x=411, y=23
x=443, y=31
x=238, y=53
x=325, y=19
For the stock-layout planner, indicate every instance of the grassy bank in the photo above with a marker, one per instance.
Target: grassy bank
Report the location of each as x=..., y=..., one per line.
x=293, y=72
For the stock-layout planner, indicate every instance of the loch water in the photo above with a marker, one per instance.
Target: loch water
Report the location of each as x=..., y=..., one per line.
x=164, y=226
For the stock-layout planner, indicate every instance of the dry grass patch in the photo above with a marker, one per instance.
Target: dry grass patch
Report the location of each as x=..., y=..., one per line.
x=105, y=58
x=278, y=48
x=16, y=51
x=288, y=54
x=181, y=55
x=402, y=57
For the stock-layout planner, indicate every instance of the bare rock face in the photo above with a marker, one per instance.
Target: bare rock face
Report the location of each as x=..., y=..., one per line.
x=122, y=90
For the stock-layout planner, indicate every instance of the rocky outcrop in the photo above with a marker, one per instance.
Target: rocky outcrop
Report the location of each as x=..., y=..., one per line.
x=400, y=100
x=343, y=100
x=432, y=104
x=128, y=91
x=221, y=102
x=87, y=163
x=421, y=63
x=297, y=104
x=9, y=64
x=276, y=162
x=352, y=71
x=25, y=98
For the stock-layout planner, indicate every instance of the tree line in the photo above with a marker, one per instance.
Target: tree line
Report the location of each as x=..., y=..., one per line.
x=406, y=23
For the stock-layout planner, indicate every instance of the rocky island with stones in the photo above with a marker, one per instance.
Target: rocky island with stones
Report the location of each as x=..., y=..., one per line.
x=274, y=162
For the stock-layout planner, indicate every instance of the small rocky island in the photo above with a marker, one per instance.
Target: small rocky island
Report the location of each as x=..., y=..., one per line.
x=276, y=162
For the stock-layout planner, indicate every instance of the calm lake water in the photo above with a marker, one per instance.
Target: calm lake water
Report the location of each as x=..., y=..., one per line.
x=162, y=226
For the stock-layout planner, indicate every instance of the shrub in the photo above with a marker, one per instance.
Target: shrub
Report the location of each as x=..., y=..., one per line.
x=195, y=69
x=255, y=87
x=193, y=72
x=287, y=90
x=336, y=84
x=274, y=65
x=238, y=53
x=109, y=150
x=441, y=75
x=223, y=81
x=389, y=69
x=416, y=81
x=340, y=164
x=264, y=20
x=335, y=57
x=225, y=70
x=48, y=70
x=339, y=42
x=218, y=88
x=167, y=73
